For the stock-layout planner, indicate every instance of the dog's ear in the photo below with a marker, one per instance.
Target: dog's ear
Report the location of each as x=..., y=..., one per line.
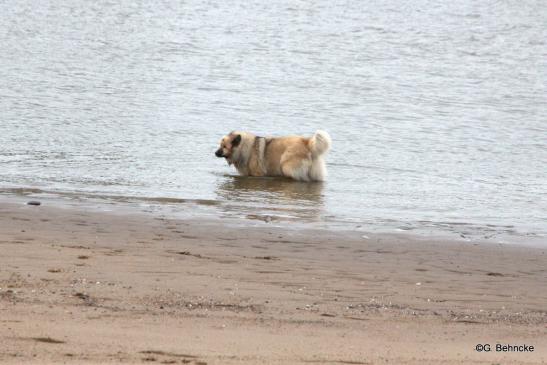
x=236, y=140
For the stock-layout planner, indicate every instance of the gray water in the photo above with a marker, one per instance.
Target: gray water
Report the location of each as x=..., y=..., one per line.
x=437, y=111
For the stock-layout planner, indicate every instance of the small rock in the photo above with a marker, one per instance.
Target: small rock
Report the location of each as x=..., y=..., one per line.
x=34, y=202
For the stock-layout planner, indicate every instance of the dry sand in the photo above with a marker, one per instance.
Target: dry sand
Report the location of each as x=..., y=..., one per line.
x=86, y=287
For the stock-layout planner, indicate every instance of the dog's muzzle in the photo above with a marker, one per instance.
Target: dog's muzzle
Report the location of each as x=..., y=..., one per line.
x=218, y=153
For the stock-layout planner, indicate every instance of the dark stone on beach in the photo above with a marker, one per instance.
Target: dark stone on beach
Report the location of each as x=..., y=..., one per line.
x=34, y=202
x=47, y=340
x=495, y=274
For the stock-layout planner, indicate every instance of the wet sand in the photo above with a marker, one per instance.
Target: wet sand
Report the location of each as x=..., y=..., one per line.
x=84, y=287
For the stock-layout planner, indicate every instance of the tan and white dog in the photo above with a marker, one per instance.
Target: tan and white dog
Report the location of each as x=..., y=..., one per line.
x=299, y=158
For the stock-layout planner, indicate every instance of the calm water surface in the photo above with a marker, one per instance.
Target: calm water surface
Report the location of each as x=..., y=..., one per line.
x=437, y=111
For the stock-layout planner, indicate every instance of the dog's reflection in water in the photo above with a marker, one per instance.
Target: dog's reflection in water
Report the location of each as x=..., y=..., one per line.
x=270, y=198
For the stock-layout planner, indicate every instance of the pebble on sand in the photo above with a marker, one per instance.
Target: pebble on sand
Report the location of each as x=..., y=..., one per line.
x=34, y=202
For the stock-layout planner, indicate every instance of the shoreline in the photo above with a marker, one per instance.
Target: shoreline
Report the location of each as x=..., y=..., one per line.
x=82, y=286
x=211, y=210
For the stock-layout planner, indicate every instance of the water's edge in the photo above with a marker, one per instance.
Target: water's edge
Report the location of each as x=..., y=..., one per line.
x=217, y=211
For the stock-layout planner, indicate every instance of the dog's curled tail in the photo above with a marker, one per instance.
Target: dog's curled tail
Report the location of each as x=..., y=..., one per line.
x=320, y=143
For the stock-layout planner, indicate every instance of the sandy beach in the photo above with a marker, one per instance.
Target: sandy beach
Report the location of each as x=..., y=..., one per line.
x=85, y=287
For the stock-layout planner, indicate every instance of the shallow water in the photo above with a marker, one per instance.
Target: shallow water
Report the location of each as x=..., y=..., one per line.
x=437, y=111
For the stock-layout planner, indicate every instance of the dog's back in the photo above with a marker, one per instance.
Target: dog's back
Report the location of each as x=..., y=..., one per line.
x=297, y=157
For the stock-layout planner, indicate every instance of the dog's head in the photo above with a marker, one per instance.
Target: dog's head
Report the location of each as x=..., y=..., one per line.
x=228, y=146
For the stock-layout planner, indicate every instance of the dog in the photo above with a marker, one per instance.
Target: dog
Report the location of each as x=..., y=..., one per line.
x=295, y=157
